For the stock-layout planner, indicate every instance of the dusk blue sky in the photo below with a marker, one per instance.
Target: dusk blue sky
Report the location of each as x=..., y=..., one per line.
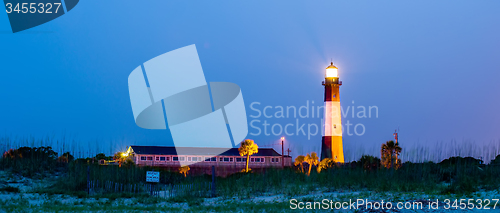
x=431, y=68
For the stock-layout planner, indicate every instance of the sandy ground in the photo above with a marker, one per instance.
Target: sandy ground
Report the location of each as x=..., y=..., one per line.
x=33, y=200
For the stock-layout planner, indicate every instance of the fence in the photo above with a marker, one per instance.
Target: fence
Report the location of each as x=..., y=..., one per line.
x=202, y=189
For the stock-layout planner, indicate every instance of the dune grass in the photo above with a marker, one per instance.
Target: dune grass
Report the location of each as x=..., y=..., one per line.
x=452, y=176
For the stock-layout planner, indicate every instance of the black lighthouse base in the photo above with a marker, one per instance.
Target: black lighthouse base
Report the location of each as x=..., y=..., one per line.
x=326, y=147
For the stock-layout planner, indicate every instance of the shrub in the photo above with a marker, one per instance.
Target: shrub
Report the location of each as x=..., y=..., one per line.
x=10, y=189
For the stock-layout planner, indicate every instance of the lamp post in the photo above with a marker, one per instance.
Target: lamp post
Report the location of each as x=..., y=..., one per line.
x=282, y=152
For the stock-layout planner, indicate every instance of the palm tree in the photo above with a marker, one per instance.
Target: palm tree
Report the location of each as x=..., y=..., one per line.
x=299, y=160
x=65, y=158
x=311, y=159
x=12, y=153
x=120, y=158
x=390, y=152
x=184, y=170
x=369, y=162
x=248, y=147
x=325, y=164
x=101, y=156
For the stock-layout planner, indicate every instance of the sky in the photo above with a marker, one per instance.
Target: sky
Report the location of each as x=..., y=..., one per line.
x=429, y=67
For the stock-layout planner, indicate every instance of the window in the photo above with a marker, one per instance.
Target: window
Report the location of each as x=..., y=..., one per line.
x=175, y=158
x=143, y=157
x=277, y=160
x=157, y=158
x=226, y=159
x=207, y=159
x=168, y=158
x=262, y=160
x=257, y=160
x=213, y=159
x=272, y=160
x=238, y=159
x=150, y=158
x=252, y=159
x=182, y=158
x=199, y=159
x=189, y=158
x=162, y=158
x=231, y=159
x=243, y=159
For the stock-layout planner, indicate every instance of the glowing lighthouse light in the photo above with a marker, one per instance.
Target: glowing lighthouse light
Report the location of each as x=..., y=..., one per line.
x=331, y=144
x=332, y=71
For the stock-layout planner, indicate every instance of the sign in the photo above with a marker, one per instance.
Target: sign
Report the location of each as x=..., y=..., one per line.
x=152, y=176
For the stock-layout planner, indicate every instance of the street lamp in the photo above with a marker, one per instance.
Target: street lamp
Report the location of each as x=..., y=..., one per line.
x=282, y=152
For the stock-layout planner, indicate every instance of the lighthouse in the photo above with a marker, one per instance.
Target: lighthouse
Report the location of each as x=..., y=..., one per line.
x=331, y=143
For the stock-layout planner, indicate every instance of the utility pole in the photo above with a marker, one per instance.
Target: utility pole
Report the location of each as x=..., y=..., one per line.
x=283, y=152
x=396, y=135
x=288, y=150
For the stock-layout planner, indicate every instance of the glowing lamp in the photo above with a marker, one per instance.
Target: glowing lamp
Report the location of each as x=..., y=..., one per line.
x=332, y=71
x=282, y=138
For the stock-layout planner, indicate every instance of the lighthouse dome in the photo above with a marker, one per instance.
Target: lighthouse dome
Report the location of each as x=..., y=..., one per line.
x=332, y=71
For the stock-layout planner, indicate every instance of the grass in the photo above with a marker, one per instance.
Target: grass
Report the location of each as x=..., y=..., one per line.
x=453, y=177
x=10, y=189
x=200, y=205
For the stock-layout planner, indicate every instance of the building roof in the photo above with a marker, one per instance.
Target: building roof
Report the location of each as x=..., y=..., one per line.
x=210, y=151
